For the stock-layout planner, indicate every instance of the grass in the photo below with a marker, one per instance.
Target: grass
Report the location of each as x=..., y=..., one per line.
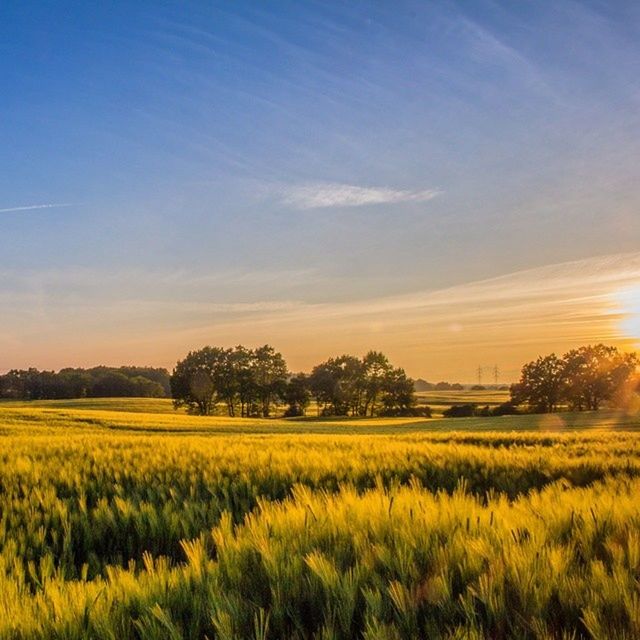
x=116, y=523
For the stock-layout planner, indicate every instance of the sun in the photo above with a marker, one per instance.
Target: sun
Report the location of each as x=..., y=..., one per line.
x=629, y=301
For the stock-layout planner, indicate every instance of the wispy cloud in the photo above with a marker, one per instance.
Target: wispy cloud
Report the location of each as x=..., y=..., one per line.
x=324, y=195
x=32, y=207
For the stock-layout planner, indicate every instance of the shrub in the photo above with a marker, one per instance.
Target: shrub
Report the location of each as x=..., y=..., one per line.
x=460, y=411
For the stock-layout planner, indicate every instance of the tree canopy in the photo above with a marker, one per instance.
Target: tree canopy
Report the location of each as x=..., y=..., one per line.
x=583, y=379
x=97, y=382
x=251, y=379
x=252, y=382
x=347, y=385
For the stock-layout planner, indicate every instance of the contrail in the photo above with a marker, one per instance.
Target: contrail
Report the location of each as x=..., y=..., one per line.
x=31, y=207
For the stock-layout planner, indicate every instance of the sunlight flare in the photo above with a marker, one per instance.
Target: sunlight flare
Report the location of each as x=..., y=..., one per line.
x=629, y=301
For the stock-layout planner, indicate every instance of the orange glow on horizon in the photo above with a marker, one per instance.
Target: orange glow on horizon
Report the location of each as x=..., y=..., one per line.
x=438, y=335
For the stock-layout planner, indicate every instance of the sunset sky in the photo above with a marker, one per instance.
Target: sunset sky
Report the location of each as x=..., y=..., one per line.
x=456, y=184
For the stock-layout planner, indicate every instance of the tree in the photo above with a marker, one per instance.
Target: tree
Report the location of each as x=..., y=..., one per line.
x=112, y=384
x=584, y=378
x=347, y=385
x=376, y=368
x=351, y=385
x=595, y=374
x=97, y=382
x=245, y=380
x=423, y=385
x=155, y=374
x=193, y=380
x=398, y=393
x=338, y=386
x=77, y=382
x=270, y=375
x=255, y=380
x=460, y=411
x=324, y=386
x=297, y=395
x=142, y=387
x=541, y=384
x=226, y=379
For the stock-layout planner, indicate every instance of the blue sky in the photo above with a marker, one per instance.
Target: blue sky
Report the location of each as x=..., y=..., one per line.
x=259, y=157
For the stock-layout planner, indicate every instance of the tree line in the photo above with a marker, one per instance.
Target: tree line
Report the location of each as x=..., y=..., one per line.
x=582, y=379
x=252, y=382
x=96, y=382
x=423, y=385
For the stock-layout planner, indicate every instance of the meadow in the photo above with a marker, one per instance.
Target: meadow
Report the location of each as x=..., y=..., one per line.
x=122, y=519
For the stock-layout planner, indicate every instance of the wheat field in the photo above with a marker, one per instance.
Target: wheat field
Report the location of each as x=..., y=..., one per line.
x=134, y=523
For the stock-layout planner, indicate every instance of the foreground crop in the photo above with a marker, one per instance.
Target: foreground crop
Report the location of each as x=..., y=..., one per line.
x=105, y=534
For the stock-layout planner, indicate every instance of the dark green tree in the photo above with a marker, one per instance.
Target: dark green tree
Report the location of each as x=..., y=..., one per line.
x=193, y=383
x=359, y=387
x=245, y=380
x=541, y=384
x=270, y=377
x=297, y=395
x=376, y=369
x=324, y=384
x=398, y=394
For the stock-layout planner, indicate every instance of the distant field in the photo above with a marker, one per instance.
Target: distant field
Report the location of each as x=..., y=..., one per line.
x=127, y=414
x=121, y=524
x=136, y=405
x=440, y=400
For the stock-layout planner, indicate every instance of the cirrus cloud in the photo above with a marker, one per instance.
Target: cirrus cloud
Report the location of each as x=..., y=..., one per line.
x=32, y=207
x=323, y=195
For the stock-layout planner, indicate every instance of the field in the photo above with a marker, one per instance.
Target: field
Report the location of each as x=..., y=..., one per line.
x=437, y=400
x=119, y=519
x=441, y=400
x=128, y=405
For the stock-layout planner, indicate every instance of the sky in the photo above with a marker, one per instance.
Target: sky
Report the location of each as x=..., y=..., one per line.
x=456, y=184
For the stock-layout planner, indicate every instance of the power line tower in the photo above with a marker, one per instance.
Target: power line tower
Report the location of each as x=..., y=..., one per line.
x=496, y=373
x=479, y=371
